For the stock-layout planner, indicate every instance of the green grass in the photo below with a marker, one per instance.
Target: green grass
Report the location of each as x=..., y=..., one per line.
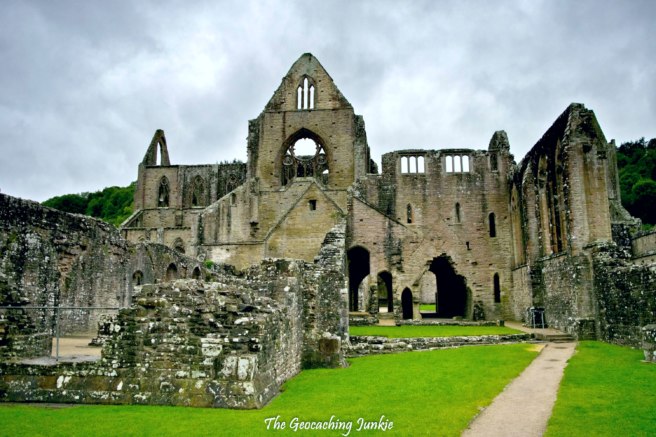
x=427, y=307
x=606, y=391
x=409, y=331
x=422, y=393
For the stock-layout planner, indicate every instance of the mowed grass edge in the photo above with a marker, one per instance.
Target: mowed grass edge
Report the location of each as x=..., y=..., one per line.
x=434, y=393
x=606, y=391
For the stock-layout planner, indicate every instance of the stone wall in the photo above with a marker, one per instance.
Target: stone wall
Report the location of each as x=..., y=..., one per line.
x=49, y=258
x=231, y=342
x=626, y=295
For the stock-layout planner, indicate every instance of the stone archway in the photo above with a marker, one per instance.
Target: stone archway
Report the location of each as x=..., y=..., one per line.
x=406, y=304
x=452, y=297
x=358, y=269
x=385, y=293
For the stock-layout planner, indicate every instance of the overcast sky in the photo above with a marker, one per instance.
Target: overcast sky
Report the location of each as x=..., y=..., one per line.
x=85, y=84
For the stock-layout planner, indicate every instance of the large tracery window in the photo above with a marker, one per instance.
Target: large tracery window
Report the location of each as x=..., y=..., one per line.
x=305, y=158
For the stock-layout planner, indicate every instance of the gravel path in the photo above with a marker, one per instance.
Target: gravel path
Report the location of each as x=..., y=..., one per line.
x=524, y=407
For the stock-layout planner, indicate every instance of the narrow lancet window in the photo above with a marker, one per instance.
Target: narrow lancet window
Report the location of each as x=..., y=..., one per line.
x=163, y=193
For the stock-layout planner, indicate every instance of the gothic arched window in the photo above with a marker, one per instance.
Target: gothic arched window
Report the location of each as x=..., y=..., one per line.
x=197, y=192
x=304, y=158
x=163, y=193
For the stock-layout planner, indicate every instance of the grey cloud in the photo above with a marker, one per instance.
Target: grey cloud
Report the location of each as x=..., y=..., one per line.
x=85, y=84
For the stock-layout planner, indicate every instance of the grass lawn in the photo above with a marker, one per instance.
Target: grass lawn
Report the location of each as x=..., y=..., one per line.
x=409, y=331
x=433, y=393
x=427, y=307
x=606, y=391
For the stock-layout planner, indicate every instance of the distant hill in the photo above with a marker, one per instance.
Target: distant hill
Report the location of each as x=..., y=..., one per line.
x=636, y=162
x=112, y=204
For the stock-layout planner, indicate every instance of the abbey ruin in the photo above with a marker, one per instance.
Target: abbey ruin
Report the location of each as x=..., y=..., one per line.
x=320, y=238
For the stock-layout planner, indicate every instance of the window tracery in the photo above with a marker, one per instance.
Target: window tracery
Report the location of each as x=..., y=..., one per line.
x=305, y=158
x=163, y=193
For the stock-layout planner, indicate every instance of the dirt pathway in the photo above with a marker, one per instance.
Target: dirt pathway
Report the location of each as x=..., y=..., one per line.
x=524, y=407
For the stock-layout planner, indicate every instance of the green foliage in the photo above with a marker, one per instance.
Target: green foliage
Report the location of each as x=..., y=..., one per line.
x=410, y=331
x=113, y=204
x=209, y=263
x=606, y=391
x=73, y=203
x=636, y=162
x=433, y=393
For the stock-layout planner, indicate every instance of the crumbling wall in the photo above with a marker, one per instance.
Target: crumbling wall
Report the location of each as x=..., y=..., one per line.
x=626, y=295
x=50, y=258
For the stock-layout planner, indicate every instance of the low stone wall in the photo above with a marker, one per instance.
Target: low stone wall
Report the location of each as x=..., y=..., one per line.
x=367, y=345
x=183, y=343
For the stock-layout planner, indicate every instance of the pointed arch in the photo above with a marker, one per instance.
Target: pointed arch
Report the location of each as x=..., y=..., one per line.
x=385, y=293
x=496, y=287
x=406, y=304
x=358, y=268
x=171, y=272
x=295, y=162
x=492, y=225
x=305, y=93
x=198, y=192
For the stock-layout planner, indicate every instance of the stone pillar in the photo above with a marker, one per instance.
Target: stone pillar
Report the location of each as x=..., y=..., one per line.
x=649, y=342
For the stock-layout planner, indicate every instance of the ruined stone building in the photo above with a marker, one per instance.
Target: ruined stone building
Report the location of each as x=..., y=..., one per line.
x=319, y=239
x=482, y=236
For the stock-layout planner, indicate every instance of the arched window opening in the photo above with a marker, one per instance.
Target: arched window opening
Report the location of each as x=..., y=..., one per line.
x=409, y=217
x=196, y=273
x=494, y=163
x=305, y=158
x=457, y=164
x=493, y=226
x=233, y=199
x=163, y=193
x=457, y=212
x=497, y=288
x=137, y=278
x=406, y=304
x=171, y=272
x=358, y=269
x=385, y=294
x=305, y=95
x=197, y=192
x=312, y=97
x=178, y=245
x=412, y=164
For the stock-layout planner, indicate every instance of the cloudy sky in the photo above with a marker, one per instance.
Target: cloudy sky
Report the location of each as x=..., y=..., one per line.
x=84, y=84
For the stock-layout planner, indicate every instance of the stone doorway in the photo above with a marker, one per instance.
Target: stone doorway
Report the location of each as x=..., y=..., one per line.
x=452, y=298
x=385, y=296
x=406, y=304
x=358, y=269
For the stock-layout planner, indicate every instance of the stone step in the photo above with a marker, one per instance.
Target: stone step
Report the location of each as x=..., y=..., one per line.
x=555, y=338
